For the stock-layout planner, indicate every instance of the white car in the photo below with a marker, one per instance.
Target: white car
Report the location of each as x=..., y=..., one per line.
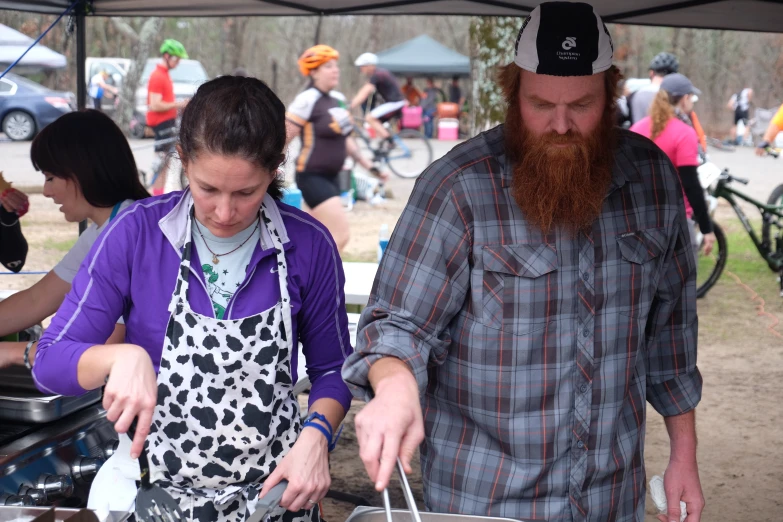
x=187, y=77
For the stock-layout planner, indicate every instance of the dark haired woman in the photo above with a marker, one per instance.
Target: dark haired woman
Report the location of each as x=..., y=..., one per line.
x=218, y=285
x=90, y=172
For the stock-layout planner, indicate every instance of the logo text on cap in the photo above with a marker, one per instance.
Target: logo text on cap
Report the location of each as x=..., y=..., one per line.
x=569, y=43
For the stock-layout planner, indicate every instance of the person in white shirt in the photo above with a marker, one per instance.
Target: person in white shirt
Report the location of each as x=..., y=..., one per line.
x=94, y=183
x=98, y=88
x=740, y=104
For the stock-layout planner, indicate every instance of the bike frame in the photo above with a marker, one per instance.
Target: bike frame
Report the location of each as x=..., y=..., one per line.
x=769, y=213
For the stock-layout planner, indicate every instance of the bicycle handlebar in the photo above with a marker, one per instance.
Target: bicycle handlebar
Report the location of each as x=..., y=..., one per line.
x=730, y=179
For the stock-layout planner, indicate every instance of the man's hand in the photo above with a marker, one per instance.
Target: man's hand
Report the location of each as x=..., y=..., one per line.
x=15, y=201
x=708, y=242
x=681, y=482
x=391, y=424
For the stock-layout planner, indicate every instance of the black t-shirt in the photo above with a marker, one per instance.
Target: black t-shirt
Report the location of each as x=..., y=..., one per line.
x=386, y=85
x=325, y=124
x=13, y=246
x=455, y=93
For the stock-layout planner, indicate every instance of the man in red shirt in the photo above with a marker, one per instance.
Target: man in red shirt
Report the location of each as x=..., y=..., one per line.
x=162, y=107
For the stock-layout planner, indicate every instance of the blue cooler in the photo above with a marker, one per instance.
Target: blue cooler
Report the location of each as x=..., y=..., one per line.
x=292, y=196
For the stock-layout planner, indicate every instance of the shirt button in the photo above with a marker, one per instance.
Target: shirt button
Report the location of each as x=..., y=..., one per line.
x=585, y=332
x=586, y=276
x=583, y=388
x=580, y=444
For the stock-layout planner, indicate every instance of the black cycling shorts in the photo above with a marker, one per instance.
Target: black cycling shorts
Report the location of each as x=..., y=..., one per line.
x=317, y=187
x=165, y=131
x=741, y=116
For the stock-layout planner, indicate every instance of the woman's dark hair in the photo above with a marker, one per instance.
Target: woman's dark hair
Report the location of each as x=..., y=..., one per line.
x=236, y=116
x=89, y=148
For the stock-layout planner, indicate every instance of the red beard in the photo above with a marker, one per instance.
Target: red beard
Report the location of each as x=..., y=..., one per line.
x=559, y=185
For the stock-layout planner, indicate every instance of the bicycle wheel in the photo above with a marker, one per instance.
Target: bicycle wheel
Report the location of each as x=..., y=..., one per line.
x=411, y=155
x=711, y=267
x=776, y=198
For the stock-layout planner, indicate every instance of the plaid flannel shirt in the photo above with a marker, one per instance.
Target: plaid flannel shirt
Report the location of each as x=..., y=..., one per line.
x=535, y=353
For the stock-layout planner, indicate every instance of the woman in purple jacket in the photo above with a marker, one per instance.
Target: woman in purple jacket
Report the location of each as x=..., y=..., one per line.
x=216, y=285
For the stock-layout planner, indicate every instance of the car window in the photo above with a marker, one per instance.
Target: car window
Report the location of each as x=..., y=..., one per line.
x=5, y=87
x=28, y=84
x=188, y=71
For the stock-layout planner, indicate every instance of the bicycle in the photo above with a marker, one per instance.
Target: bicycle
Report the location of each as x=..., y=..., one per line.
x=175, y=178
x=770, y=245
x=407, y=152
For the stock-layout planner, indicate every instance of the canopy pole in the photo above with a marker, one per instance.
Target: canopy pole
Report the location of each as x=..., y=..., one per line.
x=318, y=29
x=81, y=59
x=81, y=76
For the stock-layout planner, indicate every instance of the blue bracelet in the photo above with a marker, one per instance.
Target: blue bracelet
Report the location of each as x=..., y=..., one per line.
x=327, y=430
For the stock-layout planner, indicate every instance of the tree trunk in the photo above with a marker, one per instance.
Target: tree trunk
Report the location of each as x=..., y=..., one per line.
x=142, y=44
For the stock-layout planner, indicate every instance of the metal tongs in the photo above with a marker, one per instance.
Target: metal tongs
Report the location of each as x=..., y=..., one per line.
x=406, y=490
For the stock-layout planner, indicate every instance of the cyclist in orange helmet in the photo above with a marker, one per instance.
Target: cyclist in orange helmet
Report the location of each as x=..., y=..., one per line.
x=319, y=116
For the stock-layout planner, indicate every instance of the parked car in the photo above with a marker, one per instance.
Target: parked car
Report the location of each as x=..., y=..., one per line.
x=27, y=107
x=187, y=77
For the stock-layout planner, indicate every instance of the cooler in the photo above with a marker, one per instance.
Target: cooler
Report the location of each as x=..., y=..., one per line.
x=448, y=129
x=411, y=117
x=292, y=196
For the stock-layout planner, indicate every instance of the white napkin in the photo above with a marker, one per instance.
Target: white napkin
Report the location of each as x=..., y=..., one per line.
x=658, y=495
x=114, y=487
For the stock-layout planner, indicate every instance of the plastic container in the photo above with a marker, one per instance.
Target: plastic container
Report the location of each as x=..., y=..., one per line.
x=369, y=130
x=383, y=240
x=448, y=110
x=292, y=196
x=411, y=117
x=448, y=129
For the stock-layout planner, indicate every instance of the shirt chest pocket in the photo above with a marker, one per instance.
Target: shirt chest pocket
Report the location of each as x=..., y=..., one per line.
x=637, y=273
x=515, y=286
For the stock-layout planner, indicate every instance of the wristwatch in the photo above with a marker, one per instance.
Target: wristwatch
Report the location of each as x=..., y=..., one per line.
x=27, y=355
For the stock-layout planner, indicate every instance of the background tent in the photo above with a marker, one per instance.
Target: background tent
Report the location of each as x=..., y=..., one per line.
x=743, y=15
x=423, y=56
x=13, y=44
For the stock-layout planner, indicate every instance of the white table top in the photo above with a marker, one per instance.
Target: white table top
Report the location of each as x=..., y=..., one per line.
x=359, y=278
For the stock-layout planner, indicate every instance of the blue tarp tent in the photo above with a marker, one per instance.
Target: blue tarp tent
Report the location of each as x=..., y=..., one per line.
x=423, y=56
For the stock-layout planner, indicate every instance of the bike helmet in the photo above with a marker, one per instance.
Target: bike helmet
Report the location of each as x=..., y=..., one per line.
x=174, y=48
x=315, y=57
x=664, y=63
x=366, y=59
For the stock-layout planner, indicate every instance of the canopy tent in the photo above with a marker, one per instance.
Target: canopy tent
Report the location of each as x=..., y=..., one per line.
x=743, y=15
x=423, y=56
x=13, y=44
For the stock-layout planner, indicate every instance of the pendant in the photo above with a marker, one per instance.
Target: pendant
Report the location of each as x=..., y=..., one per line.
x=215, y=259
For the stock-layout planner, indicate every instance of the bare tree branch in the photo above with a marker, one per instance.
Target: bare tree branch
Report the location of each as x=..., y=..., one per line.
x=126, y=30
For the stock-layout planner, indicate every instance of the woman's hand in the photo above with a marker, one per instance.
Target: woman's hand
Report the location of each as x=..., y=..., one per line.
x=131, y=392
x=306, y=467
x=15, y=201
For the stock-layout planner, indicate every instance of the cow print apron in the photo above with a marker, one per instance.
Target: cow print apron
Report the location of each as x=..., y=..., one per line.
x=226, y=415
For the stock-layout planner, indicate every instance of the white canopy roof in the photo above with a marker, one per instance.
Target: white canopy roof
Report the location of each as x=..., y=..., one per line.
x=744, y=15
x=13, y=44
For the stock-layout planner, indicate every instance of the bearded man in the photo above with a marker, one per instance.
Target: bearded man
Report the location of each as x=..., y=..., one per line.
x=537, y=290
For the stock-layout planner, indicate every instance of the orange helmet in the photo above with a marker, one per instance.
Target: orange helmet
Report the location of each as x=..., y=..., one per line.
x=315, y=57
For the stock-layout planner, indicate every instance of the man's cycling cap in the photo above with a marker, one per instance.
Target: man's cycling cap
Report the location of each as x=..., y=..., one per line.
x=564, y=39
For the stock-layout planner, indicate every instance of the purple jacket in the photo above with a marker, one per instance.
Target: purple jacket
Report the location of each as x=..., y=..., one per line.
x=131, y=271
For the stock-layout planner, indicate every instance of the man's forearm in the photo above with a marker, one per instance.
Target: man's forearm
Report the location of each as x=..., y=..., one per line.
x=388, y=367
x=682, y=436
x=772, y=132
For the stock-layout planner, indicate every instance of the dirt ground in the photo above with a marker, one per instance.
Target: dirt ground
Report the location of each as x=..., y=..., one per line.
x=739, y=419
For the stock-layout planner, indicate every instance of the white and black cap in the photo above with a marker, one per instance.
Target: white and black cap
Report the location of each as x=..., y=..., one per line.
x=564, y=39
